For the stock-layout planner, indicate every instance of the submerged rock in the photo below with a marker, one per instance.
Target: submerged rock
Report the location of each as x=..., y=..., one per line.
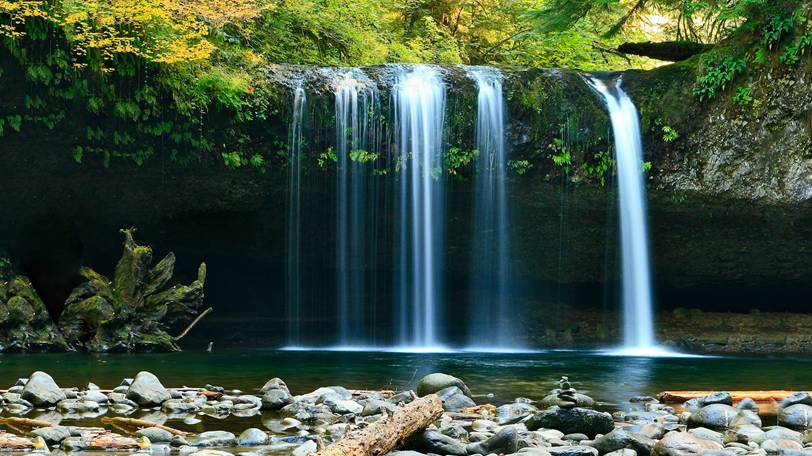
x=147, y=390
x=252, y=437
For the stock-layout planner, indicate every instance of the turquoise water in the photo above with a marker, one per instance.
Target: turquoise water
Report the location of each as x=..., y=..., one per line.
x=609, y=379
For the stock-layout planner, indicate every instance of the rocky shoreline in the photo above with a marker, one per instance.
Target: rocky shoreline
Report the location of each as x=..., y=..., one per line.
x=563, y=423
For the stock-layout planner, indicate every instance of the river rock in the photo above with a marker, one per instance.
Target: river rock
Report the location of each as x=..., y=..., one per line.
x=275, y=383
x=796, y=398
x=155, y=434
x=211, y=453
x=796, y=416
x=42, y=391
x=745, y=434
x=77, y=406
x=213, y=439
x=677, y=443
x=252, y=437
x=577, y=450
x=776, y=446
x=305, y=449
x=619, y=438
x=780, y=432
x=344, y=407
x=513, y=413
x=433, y=383
x=454, y=399
x=95, y=396
x=404, y=397
x=275, y=399
x=431, y=441
x=146, y=390
x=376, y=407
x=52, y=435
x=622, y=452
x=552, y=399
x=570, y=421
x=503, y=442
x=722, y=397
x=721, y=417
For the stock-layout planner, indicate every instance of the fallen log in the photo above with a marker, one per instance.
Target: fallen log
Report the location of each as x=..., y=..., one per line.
x=11, y=442
x=670, y=51
x=383, y=436
x=678, y=397
x=120, y=421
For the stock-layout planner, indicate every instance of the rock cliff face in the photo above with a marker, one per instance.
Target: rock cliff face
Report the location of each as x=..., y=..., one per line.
x=730, y=208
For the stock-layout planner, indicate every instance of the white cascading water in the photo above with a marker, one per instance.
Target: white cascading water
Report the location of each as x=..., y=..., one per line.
x=353, y=99
x=295, y=141
x=419, y=99
x=638, y=315
x=490, y=306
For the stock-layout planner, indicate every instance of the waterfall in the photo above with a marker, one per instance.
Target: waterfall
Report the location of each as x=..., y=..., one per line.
x=295, y=142
x=353, y=102
x=419, y=100
x=490, y=307
x=638, y=318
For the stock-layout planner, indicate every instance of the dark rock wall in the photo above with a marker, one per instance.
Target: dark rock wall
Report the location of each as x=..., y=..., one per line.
x=731, y=221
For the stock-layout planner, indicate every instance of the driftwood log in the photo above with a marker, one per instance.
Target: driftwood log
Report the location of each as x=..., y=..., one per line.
x=383, y=436
x=678, y=397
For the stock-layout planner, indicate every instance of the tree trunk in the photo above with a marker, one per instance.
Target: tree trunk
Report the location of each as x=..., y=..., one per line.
x=670, y=51
x=382, y=437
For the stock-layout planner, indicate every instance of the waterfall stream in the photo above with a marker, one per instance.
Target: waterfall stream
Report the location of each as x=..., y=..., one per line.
x=295, y=141
x=490, y=308
x=353, y=101
x=638, y=315
x=419, y=99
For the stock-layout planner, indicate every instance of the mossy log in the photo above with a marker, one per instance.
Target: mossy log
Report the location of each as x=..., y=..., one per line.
x=670, y=51
x=383, y=436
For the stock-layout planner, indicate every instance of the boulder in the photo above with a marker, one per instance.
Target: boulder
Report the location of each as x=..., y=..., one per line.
x=213, y=439
x=275, y=383
x=433, y=383
x=42, y=391
x=677, y=443
x=376, y=407
x=722, y=397
x=577, y=450
x=552, y=399
x=796, y=416
x=252, y=437
x=796, y=398
x=146, y=390
x=721, y=417
x=570, y=421
x=155, y=434
x=505, y=441
x=619, y=438
x=53, y=435
x=513, y=413
x=275, y=399
x=430, y=441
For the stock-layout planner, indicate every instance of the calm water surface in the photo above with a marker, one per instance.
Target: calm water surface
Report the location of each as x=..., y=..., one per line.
x=611, y=380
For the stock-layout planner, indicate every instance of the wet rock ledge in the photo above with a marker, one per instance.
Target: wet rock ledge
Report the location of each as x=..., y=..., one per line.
x=563, y=423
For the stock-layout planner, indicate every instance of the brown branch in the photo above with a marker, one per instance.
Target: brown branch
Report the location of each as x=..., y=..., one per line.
x=120, y=421
x=193, y=323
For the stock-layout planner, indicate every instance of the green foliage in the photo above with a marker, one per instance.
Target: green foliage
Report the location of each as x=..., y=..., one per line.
x=792, y=54
x=717, y=75
x=645, y=166
x=519, y=167
x=599, y=168
x=742, y=97
x=232, y=160
x=669, y=133
x=560, y=155
x=457, y=158
x=775, y=29
x=325, y=157
x=362, y=156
